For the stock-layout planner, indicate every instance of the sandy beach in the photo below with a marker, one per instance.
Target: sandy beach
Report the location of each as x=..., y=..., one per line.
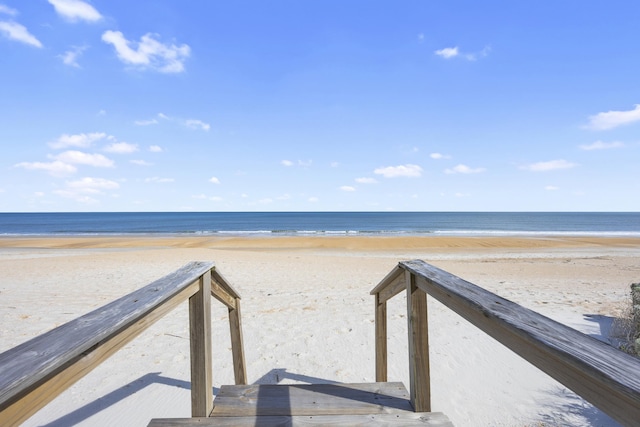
x=308, y=317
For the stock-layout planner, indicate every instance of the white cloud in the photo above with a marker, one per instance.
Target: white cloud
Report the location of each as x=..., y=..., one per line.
x=464, y=169
x=80, y=158
x=551, y=188
x=149, y=53
x=284, y=197
x=121, y=148
x=408, y=170
x=146, y=122
x=287, y=163
x=141, y=162
x=334, y=164
x=549, y=166
x=76, y=10
x=155, y=149
x=56, y=168
x=613, y=119
x=197, y=124
x=214, y=180
x=438, y=156
x=313, y=200
x=93, y=184
x=7, y=10
x=452, y=52
x=447, y=52
x=420, y=37
x=599, y=145
x=17, y=32
x=347, y=188
x=365, y=180
x=70, y=57
x=158, y=180
x=79, y=140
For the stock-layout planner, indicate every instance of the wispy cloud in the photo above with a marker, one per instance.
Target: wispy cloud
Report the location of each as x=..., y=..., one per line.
x=197, y=124
x=214, y=180
x=82, y=140
x=141, y=162
x=464, y=169
x=14, y=31
x=454, y=52
x=599, y=145
x=447, y=52
x=76, y=10
x=613, y=119
x=80, y=158
x=83, y=189
x=6, y=10
x=438, y=156
x=70, y=57
x=149, y=52
x=155, y=149
x=121, y=148
x=56, y=168
x=409, y=170
x=551, y=188
x=286, y=163
x=347, y=188
x=549, y=166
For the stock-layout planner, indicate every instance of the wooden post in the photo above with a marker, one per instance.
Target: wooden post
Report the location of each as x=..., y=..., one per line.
x=200, y=333
x=237, y=345
x=381, y=339
x=420, y=387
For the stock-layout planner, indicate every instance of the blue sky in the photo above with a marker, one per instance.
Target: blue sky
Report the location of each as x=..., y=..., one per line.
x=319, y=105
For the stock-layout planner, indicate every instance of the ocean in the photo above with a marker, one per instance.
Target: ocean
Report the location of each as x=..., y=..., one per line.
x=322, y=223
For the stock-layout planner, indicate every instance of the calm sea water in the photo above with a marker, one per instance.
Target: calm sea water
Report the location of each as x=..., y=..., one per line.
x=328, y=223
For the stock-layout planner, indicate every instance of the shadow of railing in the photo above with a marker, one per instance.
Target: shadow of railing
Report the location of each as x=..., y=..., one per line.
x=118, y=395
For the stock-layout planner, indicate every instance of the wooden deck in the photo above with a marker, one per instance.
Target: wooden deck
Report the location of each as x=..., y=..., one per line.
x=317, y=404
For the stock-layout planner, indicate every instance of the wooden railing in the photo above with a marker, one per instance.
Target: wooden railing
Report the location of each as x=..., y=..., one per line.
x=604, y=376
x=35, y=372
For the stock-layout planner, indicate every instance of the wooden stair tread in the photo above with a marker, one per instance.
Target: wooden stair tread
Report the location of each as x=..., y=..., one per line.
x=311, y=399
x=425, y=419
x=312, y=405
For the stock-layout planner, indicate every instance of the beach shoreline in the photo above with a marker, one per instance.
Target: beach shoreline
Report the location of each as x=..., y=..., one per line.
x=307, y=312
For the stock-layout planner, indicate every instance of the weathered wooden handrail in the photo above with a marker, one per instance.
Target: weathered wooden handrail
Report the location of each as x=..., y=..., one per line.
x=35, y=372
x=601, y=374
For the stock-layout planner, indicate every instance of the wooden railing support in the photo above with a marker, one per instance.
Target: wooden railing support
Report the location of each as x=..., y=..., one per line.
x=381, y=340
x=35, y=372
x=419, y=381
x=606, y=377
x=200, y=333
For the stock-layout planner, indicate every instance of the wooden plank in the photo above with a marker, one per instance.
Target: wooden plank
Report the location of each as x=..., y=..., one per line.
x=315, y=399
x=601, y=374
x=381, y=340
x=419, y=376
x=426, y=419
x=200, y=333
x=237, y=344
x=391, y=285
x=224, y=283
x=35, y=372
x=221, y=294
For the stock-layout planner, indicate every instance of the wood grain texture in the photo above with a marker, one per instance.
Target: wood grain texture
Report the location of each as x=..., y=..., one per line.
x=200, y=345
x=426, y=419
x=419, y=375
x=391, y=285
x=237, y=344
x=314, y=399
x=607, y=378
x=35, y=372
x=381, y=339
